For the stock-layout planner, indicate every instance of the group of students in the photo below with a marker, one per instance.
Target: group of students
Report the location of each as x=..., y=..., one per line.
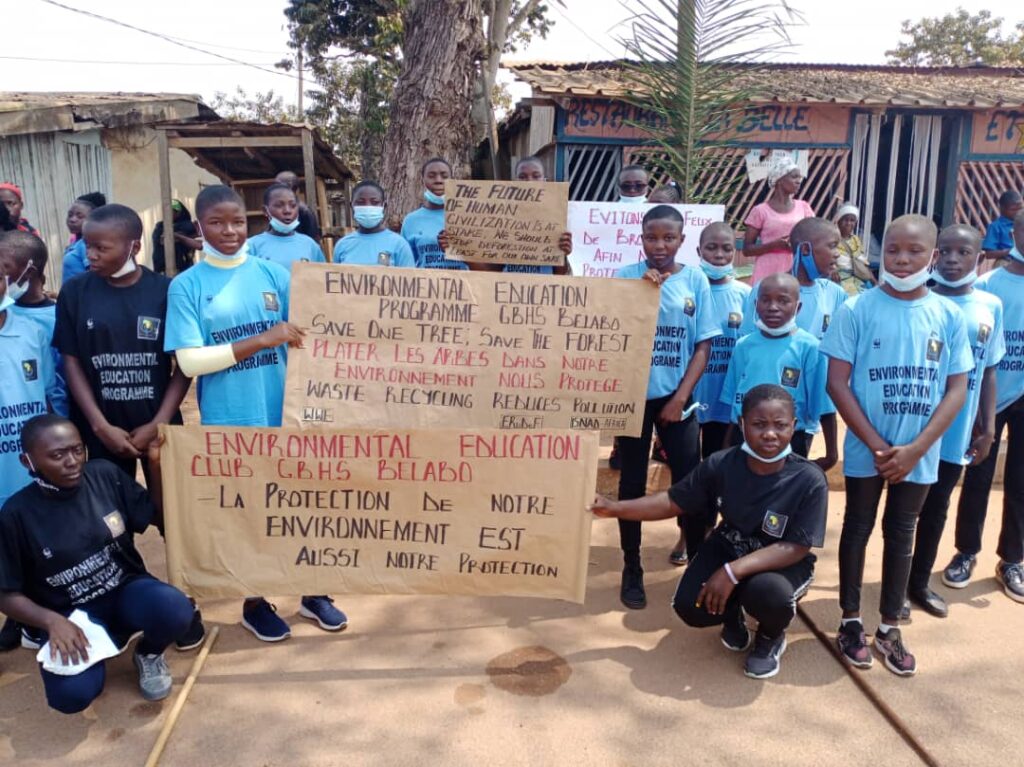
x=740, y=378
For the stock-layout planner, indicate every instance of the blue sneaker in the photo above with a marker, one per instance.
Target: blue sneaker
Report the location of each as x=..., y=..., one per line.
x=958, y=572
x=322, y=610
x=260, y=617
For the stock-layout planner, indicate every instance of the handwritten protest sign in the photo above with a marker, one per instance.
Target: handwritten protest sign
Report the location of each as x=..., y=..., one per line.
x=432, y=348
x=607, y=236
x=287, y=512
x=506, y=222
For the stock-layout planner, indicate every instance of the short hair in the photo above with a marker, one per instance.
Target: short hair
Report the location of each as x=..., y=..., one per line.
x=215, y=195
x=423, y=167
x=915, y=219
x=25, y=245
x=806, y=228
x=785, y=278
x=663, y=213
x=531, y=158
x=670, y=190
x=34, y=428
x=126, y=219
x=367, y=183
x=92, y=199
x=967, y=229
x=288, y=174
x=1009, y=197
x=632, y=167
x=766, y=392
x=715, y=226
x=275, y=187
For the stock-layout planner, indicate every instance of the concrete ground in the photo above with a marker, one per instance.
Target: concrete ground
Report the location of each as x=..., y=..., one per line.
x=466, y=681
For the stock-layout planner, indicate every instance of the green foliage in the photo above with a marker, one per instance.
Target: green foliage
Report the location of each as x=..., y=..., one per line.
x=261, y=107
x=959, y=39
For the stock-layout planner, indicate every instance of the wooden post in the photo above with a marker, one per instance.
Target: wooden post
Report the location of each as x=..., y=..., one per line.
x=164, y=161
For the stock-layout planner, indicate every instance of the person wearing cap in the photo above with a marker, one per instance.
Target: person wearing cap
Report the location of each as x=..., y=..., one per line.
x=852, y=261
x=766, y=236
x=186, y=240
x=13, y=199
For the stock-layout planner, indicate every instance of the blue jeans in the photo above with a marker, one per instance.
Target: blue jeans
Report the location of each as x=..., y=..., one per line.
x=158, y=610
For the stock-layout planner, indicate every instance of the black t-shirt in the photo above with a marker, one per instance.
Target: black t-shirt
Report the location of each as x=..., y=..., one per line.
x=62, y=553
x=308, y=223
x=117, y=334
x=758, y=510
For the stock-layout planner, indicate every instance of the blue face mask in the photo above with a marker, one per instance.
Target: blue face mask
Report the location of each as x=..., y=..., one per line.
x=967, y=279
x=715, y=272
x=781, y=330
x=368, y=216
x=805, y=257
x=6, y=303
x=780, y=457
x=281, y=227
x=1016, y=255
x=433, y=199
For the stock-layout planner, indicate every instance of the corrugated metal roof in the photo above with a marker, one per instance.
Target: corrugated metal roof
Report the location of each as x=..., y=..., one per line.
x=935, y=87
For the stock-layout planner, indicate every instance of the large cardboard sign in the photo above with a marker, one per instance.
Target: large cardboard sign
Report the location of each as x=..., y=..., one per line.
x=418, y=348
x=506, y=222
x=287, y=512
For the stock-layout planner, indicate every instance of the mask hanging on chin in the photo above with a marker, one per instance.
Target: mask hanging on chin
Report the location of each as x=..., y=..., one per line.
x=641, y=200
x=18, y=288
x=715, y=271
x=60, y=492
x=967, y=279
x=782, y=330
x=129, y=266
x=433, y=199
x=783, y=454
x=212, y=252
x=281, y=227
x=905, y=284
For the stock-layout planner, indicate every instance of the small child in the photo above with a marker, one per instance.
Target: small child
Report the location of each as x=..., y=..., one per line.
x=852, y=262
x=281, y=243
x=783, y=354
x=421, y=227
x=897, y=372
x=74, y=262
x=682, y=346
x=372, y=244
x=969, y=439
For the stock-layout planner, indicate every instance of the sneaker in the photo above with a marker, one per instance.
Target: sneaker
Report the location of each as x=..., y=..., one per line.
x=763, y=662
x=1012, y=578
x=898, y=659
x=260, y=617
x=322, y=610
x=194, y=636
x=154, y=676
x=10, y=635
x=632, y=592
x=32, y=638
x=735, y=634
x=853, y=645
x=958, y=572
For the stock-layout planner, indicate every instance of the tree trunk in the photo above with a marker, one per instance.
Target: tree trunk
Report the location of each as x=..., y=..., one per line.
x=432, y=100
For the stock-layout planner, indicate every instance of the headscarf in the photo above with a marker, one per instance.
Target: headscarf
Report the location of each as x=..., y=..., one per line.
x=13, y=188
x=782, y=165
x=847, y=209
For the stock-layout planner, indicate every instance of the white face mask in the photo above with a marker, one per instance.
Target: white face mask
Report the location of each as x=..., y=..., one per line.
x=967, y=279
x=18, y=288
x=780, y=457
x=905, y=284
x=1016, y=255
x=781, y=330
x=129, y=265
x=209, y=250
x=281, y=227
x=6, y=303
x=634, y=200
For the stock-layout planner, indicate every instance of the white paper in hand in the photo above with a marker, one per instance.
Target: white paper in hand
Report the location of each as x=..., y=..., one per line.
x=100, y=648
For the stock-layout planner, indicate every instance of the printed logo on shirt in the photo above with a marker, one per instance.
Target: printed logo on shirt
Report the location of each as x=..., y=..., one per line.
x=825, y=322
x=89, y=324
x=984, y=331
x=47, y=554
x=790, y=377
x=147, y=328
x=30, y=369
x=689, y=307
x=115, y=523
x=384, y=258
x=774, y=524
x=735, y=319
x=934, y=352
x=270, y=302
x=876, y=344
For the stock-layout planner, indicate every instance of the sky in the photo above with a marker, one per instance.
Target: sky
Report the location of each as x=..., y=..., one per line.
x=55, y=49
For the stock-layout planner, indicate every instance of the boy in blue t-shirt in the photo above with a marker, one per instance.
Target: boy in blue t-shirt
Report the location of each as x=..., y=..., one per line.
x=372, y=244
x=1006, y=284
x=282, y=244
x=682, y=345
x=422, y=227
x=227, y=323
x=783, y=354
x=717, y=250
x=969, y=440
x=999, y=234
x=897, y=372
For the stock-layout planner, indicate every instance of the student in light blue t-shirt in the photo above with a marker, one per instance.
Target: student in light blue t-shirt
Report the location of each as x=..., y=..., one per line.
x=682, y=345
x=281, y=243
x=897, y=372
x=227, y=323
x=422, y=227
x=372, y=244
x=969, y=440
x=783, y=354
x=1007, y=284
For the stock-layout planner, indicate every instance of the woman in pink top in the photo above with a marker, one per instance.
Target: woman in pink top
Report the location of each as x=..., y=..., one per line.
x=772, y=221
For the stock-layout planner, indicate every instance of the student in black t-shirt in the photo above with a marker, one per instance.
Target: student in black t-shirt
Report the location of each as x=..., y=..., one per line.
x=758, y=560
x=66, y=543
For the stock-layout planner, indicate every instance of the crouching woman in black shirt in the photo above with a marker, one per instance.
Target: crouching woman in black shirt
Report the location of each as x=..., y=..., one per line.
x=66, y=543
x=758, y=560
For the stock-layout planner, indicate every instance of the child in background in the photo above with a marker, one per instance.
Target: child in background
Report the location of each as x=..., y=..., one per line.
x=897, y=372
x=783, y=354
x=372, y=244
x=227, y=322
x=421, y=227
x=532, y=169
x=682, y=345
x=851, y=261
x=969, y=439
x=281, y=243
x=999, y=234
x=634, y=183
x=74, y=262
x=666, y=193
x=186, y=240
x=11, y=196
x=1007, y=284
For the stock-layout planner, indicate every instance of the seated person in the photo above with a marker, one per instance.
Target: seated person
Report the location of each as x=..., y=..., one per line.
x=66, y=543
x=758, y=560
x=999, y=235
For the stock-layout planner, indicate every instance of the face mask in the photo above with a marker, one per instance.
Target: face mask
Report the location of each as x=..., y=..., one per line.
x=6, y=303
x=715, y=272
x=61, y=492
x=805, y=258
x=281, y=227
x=129, y=267
x=967, y=279
x=906, y=284
x=18, y=288
x=633, y=200
x=368, y=216
x=211, y=251
x=780, y=457
x=433, y=199
x=1016, y=255
x=781, y=330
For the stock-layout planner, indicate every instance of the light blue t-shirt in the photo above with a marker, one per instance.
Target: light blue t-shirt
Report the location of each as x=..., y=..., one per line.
x=984, y=315
x=727, y=300
x=685, y=318
x=45, y=318
x=286, y=249
x=208, y=306
x=1009, y=288
x=74, y=262
x=420, y=229
x=383, y=248
x=26, y=369
x=793, y=362
x=902, y=352
x=818, y=306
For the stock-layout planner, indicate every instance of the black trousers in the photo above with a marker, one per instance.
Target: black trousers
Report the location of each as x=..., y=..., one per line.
x=970, y=514
x=931, y=523
x=681, y=441
x=801, y=443
x=712, y=437
x=769, y=597
x=903, y=503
